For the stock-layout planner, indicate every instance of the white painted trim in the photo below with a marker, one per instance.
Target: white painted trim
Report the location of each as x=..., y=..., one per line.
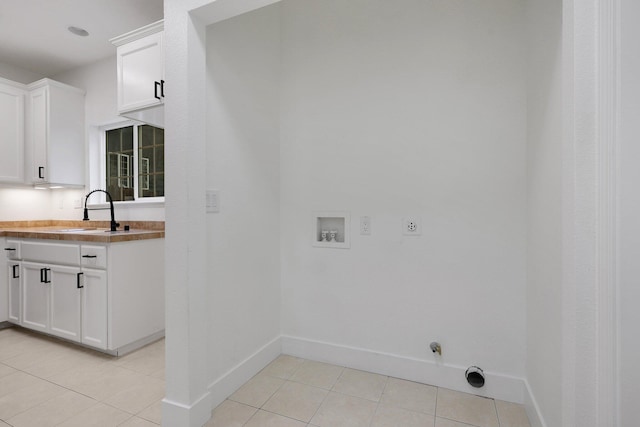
x=568, y=207
x=128, y=348
x=229, y=382
x=177, y=414
x=533, y=409
x=138, y=33
x=497, y=386
x=48, y=82
x=607, y=200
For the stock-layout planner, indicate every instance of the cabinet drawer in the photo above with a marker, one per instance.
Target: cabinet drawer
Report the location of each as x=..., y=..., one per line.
x=12, y=249
x=55, y=253
x=93, y=256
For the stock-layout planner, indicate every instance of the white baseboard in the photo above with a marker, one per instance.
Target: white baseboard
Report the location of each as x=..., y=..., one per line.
x=228, y=383
x=497, y=386
x=533, y=410
x=178, y=414
x=196, y=415
x=125, y=349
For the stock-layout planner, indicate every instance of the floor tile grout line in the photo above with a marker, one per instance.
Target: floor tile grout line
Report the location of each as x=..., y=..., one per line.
x=458, y=421
x=495, y=408
x=126, y=420
x=272, y=394
x=280, y=415
x=386, y=382
x=321, y=403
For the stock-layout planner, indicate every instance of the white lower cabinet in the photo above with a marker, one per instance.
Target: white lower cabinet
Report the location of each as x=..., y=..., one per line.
x=65, y=302
x=15, y=292
x=11, y=287
x=94, y=307
x=35, y=304
x=109, y=297
x=52, y=299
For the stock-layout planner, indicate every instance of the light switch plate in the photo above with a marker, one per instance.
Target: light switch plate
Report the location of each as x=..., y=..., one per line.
x=213, y=201
x=365, y=225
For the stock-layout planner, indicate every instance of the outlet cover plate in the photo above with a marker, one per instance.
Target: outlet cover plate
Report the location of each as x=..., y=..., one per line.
x=411, y=226
x=365, y=225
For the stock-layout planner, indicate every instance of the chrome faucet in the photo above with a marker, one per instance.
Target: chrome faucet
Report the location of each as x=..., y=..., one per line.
x=114, y=224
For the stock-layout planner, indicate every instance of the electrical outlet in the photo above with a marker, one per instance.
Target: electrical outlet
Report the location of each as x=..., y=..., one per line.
x=411, y=226
x=365, y=225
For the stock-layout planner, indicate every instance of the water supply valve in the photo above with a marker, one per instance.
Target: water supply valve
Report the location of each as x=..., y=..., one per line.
x=436, y=348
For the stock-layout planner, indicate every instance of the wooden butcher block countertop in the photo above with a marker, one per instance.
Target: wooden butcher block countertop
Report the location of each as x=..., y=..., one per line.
x=84, y=231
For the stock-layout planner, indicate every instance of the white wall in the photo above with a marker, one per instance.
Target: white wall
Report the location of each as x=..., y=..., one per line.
x=398, y=108
x=100, y=81
x=11, y=72
x=243, y=267
x=544, y=238
x=24, y=204
x=629, y=231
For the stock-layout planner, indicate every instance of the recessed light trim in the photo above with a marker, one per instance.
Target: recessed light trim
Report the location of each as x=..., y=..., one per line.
x=78, y=31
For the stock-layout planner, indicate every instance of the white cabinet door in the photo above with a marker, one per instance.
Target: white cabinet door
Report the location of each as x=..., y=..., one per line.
x=11, y=134
x=15, y=292
x=65, y=300
x=140, y=73
x=94, y=308
x=39, y=133
x=51, y=299
x=35, y=296
x=56, y=133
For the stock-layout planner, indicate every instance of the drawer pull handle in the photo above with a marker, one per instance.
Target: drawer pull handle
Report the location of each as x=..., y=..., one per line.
x=41, y=172
x=9, y=249
x=89, y=256
x=15, y=272
x=80, y=286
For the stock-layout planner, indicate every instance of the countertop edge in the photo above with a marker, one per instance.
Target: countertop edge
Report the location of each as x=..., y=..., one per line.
x=119, y=236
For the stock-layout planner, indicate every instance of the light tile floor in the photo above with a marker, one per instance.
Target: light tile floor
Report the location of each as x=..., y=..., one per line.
x=45, y=382
x=293, y=392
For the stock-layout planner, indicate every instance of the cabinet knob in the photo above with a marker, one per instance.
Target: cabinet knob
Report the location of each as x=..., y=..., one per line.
x=78, y=283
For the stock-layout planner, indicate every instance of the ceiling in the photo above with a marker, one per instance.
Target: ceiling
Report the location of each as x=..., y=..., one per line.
x=34, y=35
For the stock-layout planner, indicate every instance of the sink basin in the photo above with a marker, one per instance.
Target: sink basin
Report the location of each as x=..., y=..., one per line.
x=75, y=230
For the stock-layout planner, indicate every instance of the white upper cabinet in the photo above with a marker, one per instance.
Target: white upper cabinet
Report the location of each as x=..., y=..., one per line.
x=12, y=97
x=55, y=134
x=140, y=57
